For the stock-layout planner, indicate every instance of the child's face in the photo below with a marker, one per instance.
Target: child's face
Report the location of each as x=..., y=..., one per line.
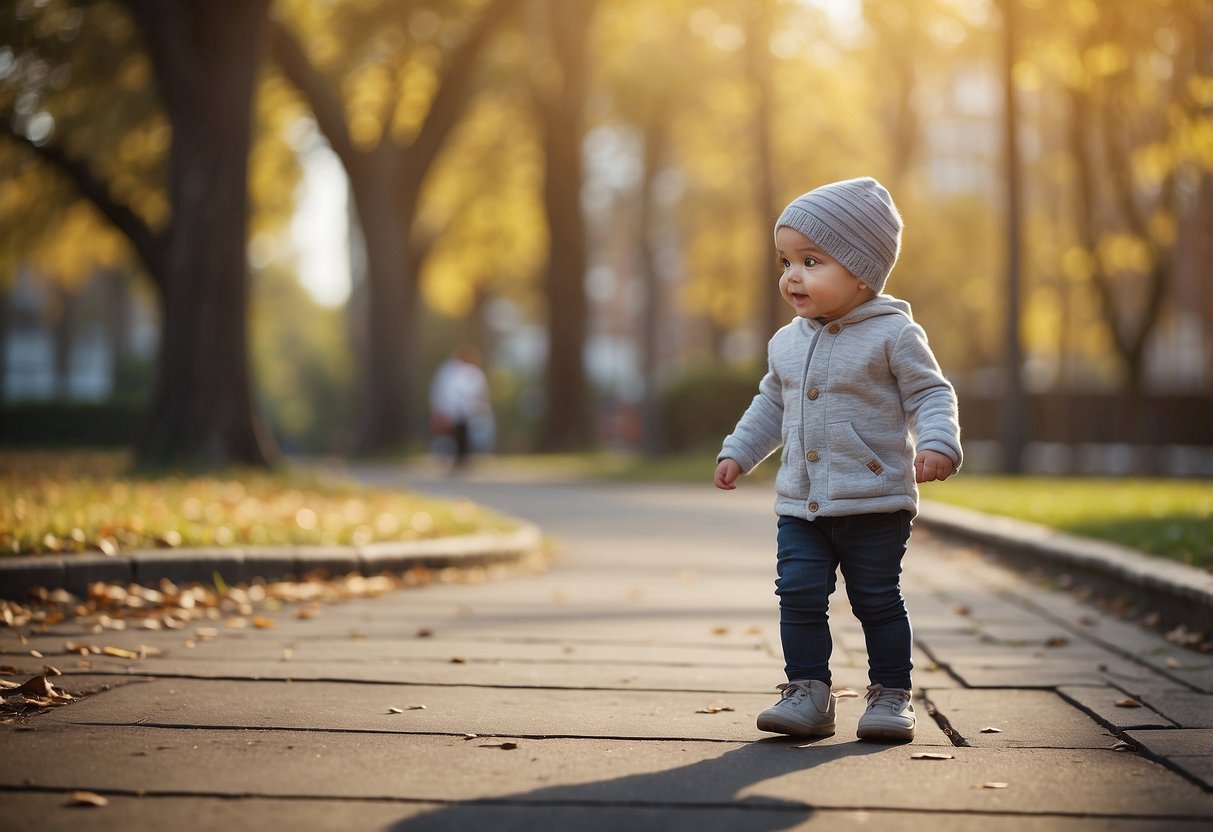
x=815, y=284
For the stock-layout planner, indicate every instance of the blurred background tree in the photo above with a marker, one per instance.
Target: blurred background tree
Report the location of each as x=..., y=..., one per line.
x=585, y=191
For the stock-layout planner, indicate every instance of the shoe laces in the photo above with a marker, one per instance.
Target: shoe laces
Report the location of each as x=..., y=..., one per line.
x=797, y=690
x=890, y=699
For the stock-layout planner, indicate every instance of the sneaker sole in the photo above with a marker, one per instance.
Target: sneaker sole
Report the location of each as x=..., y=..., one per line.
x=884, y=732
x=776, y=726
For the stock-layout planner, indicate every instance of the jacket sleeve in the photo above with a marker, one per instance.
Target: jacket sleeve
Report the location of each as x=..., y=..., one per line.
x=760, y=431
x=927, y=396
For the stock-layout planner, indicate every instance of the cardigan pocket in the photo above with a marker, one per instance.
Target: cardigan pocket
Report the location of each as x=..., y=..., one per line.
x=856, y=472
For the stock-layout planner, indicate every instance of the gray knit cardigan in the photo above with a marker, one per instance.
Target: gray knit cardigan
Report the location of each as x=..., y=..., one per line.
x=850, y=402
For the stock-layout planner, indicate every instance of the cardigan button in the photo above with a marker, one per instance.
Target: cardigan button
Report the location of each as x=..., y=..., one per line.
x=813, y=507
x=813, y=393
x=835, y=329
x=812, y=456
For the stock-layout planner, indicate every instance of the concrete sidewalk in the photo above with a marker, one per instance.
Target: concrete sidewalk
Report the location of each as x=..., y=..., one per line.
x=618, y=690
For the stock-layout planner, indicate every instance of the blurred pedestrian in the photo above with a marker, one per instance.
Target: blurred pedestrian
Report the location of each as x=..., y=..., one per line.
x=460, y=409
x=856, y=399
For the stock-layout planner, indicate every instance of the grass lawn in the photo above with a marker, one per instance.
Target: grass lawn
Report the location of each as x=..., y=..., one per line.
x=74, y=502
x=1170, y=518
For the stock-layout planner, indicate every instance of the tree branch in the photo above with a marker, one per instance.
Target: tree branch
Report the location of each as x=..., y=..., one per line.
x=148, y=245
x=455, y=86
x=325, y=103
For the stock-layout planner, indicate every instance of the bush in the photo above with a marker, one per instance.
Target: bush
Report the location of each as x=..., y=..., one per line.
x=108, y=424
x=702, y=407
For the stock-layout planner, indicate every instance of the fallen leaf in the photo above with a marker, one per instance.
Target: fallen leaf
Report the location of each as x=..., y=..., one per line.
x=720, y=631
x=409, y=708
x=713, y=709
x=962, y=609
x=1174, y=663
x=1056, y=641
x=991, y=730
x=845, y=693
x=1128, y=702
x=395, y=710
x=425, y=632
x=1088, y=621
x=504, y=746
x=36, y=654
x=119, y=653
x=1123, y=746
x=926, y=755
x=993, y=784
x=470, y=736
x=88, y=799
x=73, y=647
x=458, y=660
x=263, y=623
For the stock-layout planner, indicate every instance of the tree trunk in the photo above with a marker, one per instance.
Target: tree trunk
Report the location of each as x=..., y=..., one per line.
x=64, y=332
x=771, y=307
x=391, y=337
x=568, y=422
x=117, y=316
x=202, y=412
x=1014, y=427
x=655, y=140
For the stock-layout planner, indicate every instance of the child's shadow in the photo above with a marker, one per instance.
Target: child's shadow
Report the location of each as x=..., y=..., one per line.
x=702, y=796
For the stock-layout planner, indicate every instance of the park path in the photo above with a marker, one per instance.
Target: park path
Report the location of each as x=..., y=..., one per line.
x=617, y=690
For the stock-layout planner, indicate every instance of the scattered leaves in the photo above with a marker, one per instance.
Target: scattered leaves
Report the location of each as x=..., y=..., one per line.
x=119, y=653
x=37, y=692
x=929, y=755
x=1128, y=702
x=713, y=709
x=261, y=622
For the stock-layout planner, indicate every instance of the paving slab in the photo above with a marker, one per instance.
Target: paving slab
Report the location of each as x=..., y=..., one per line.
x=365, y=707
x=1024, y=719
x=1190, y=751
x=837, y=774
x=48, y=812
x=1102, y=702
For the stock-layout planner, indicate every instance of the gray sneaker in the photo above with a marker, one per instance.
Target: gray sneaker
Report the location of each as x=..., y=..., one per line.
x=889, y=716
x=805, y=709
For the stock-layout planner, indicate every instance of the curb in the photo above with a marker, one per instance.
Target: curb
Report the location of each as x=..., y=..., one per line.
x=75, y=573
x=1180, y=594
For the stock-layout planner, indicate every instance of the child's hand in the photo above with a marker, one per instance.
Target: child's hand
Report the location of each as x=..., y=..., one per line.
x=727, y=473
x=932, y=465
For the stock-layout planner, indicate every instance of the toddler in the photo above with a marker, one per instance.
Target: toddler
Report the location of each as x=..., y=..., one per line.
x=862, y=411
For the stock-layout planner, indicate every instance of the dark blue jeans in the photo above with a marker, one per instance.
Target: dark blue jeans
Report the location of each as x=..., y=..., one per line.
x=868, y=548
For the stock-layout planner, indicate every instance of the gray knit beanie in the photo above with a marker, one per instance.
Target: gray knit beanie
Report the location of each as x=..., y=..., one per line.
x=853, y=221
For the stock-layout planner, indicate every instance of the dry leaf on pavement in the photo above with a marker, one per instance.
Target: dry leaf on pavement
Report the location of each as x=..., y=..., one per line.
x=713, y=709
x=1128, y=702
x=845, y=693
x=504, y=746
x=991, y=730
x=1057, y=641
x=926, y=755
x=87, y=799
x=993, y=784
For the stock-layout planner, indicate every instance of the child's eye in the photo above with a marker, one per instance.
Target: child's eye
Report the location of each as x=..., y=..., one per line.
x=810, y=262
